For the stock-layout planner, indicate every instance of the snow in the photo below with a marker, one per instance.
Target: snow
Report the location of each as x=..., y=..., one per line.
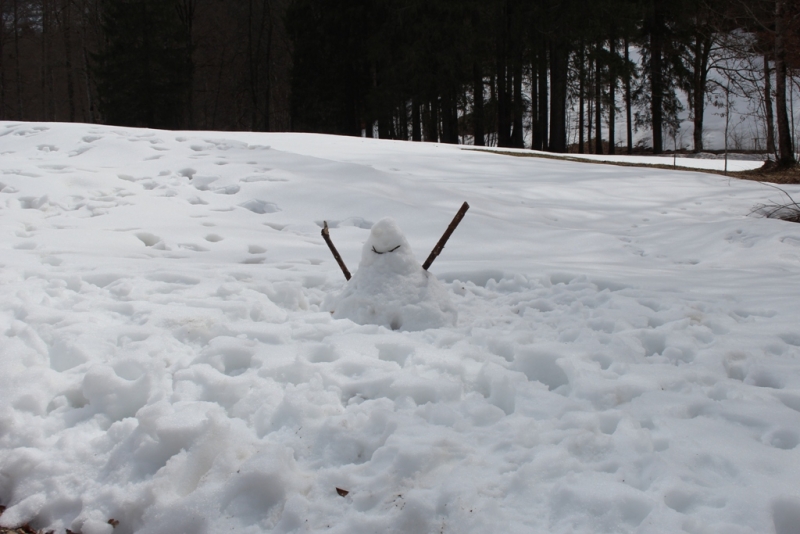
x=391, y=288
x=702, y=161
x=625, y=355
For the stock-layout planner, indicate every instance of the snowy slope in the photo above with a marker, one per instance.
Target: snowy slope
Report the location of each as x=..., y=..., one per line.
x=625, y=357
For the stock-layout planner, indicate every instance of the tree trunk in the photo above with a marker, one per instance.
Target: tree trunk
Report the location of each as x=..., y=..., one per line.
x=416, y=127
x=503, y=78
x=2, y=67
x=559, y=67
x=581, y=95
x=657, y=78
x=628, y=102
x=768, y=107
x=477, y=106
x=612, y=102
x=67, y=32
x=785, y=149
x=536, y=142
x=186, y=11
x=267, y=68
x=598, y=109
x=449, y=119
x=20, y=108
x=543, y=117
x=702, y=51
x=517, y=136
x=589, y=121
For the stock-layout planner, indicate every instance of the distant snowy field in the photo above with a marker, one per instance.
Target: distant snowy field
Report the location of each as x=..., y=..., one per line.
x=705, y=161
x=626, y=356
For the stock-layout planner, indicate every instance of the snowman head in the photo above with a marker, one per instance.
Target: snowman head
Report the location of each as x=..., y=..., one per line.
x=387, y=249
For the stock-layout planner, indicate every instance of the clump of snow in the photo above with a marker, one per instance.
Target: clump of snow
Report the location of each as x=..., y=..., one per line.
x=391, y=288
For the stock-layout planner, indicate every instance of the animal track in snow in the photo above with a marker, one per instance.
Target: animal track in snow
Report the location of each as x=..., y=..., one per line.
x=214, y=238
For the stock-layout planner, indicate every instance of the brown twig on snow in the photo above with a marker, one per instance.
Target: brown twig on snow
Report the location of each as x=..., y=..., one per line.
x=440, y=245
x=327, y=237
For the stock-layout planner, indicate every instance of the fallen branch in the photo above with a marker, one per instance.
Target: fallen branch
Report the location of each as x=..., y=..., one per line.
x=440, y=245
x=327, y=237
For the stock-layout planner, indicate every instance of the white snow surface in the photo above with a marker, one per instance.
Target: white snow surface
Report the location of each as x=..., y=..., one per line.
x=625, y=357
x=390, y=287
x=703, y=161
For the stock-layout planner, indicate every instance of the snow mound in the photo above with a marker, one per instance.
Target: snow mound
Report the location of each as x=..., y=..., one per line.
x=391, y=288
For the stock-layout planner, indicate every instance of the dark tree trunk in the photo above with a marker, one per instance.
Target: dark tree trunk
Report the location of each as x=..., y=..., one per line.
x=503, y=78
x=581, y=96
x=416, y=127
x=432, y=126
x=2, y=67
x=543, y=97
x=589, y=121
x=18, y=72
x=66, y=27
x=479, y=131
x=559, y=66
x=186, y=11
x=768, y=107
x=536, y=142
x=449, y=120
x=785, y=148
x=517, y=137
x=657, y=79
x=702, y=53
x=628, y=102
x=598, y=108
x=612, y=103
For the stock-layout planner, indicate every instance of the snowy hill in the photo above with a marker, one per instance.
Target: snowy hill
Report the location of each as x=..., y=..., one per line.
x=625, y=359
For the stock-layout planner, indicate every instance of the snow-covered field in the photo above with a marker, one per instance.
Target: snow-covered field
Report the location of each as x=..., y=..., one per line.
x=626, y=356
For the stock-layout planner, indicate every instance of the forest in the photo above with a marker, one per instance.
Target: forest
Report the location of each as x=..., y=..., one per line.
x=554, y=75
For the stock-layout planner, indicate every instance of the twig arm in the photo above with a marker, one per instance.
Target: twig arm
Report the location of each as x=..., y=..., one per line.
x=440, y=245
x=327, y=237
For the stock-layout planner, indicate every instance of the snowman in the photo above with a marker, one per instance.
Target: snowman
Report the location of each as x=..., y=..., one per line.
x=391, y=288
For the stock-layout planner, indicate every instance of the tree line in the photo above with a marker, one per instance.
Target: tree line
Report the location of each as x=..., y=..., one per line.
x=556, y=75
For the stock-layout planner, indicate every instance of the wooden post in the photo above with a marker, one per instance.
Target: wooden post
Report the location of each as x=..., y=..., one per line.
x=440, y=245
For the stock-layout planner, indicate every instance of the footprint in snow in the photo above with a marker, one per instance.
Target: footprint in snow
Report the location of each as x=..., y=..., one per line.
x=260, y=206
